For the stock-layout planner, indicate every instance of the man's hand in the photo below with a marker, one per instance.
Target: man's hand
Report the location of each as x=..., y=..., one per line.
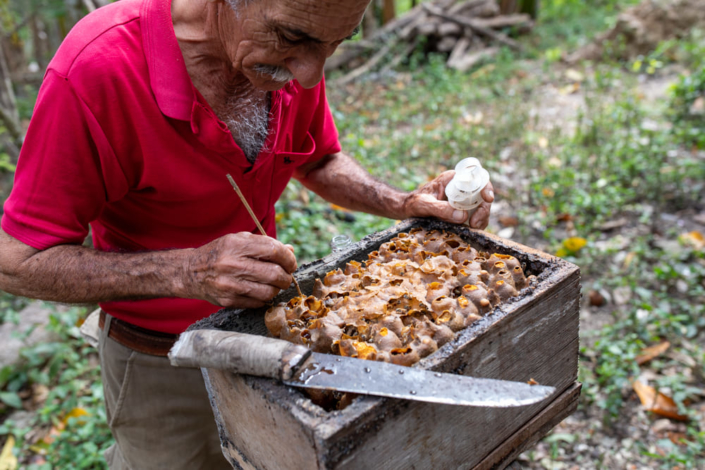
x=241, y=269
x=339, y=179
x=430, y=201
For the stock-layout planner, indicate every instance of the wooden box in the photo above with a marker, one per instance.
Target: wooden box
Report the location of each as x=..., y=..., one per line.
x=266, y=425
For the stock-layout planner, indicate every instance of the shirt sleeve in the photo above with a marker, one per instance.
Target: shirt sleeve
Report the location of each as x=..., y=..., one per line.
x=60, y=179
x=323, y=129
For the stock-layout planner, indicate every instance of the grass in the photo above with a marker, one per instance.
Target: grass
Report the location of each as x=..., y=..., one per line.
x=623, y=157
x=60, y=382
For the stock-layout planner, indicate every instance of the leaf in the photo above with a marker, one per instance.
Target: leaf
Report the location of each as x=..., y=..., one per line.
x=7, y=460
x=652, y=352
x=574, y=244
x=657, y=402
x=694, y=239
x=569, y=89
x=11, y=399
x=507, y=221
x=76, y=413
x=572, y=74
x=339, y=208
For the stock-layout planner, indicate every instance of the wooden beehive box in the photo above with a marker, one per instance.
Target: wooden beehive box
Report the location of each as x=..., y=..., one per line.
x=266, y=425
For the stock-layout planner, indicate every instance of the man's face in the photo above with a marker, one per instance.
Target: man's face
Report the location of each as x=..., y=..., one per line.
x=274, y=41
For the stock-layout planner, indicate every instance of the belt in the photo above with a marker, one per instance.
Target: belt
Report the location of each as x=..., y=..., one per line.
x=142, y=340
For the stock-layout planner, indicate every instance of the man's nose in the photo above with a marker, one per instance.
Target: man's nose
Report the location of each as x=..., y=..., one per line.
x=307, y=66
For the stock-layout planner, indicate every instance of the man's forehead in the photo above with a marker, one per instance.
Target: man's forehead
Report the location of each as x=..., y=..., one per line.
x=315, y=17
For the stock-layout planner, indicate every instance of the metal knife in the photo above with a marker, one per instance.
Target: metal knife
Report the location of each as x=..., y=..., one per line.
x=298, y=366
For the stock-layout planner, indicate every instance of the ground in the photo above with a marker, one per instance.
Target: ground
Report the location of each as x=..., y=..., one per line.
x=601, y=162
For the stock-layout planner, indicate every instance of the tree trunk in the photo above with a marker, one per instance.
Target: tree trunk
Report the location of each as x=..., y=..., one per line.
x=530, y=7
x=9, y=117
x=388, y=11
x=509, y=7
x=369, y=22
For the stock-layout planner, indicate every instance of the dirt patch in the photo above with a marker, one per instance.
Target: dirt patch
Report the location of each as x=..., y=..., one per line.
x=640, y=29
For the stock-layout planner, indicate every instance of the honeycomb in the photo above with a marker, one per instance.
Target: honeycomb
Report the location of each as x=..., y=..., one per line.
x=407, y=300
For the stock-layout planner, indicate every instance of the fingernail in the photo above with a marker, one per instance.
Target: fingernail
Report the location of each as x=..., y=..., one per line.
x=459, y=216
x=490, y=193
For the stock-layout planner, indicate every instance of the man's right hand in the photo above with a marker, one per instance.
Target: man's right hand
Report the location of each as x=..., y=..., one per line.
x=239, y=270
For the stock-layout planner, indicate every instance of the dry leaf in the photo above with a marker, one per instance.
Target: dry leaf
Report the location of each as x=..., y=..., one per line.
x=60, y=426
x=651, y=352
x=75, y=413
x=656, y=402
x=554, y=162
x=629, y=259
x=574, y=75
x=694, y=239
x=574, y=244
x=570, y=89
x=7, y=460
x=677, y=437
x=543, y=142
x=596, y=299
x=507, y=221
x=336, y=207
x=39, y=393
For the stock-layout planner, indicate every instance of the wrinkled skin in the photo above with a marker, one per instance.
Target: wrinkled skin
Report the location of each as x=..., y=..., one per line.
x=241, y=269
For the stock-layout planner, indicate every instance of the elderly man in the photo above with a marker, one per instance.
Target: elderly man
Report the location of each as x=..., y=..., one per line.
x=144, y=110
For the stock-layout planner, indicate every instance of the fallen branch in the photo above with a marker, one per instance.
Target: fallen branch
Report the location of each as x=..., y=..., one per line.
x=505, y=21
x=363, y=69
x=467, y=61
x=350, y=52
x=472, y=24
x=468, y=4
x=399, y=57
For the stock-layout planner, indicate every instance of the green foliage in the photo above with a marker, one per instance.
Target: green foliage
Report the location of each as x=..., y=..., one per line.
x=310, y=227
x=566, y=24
x=10, y=307
x=688, y=94
x=68, y=367
x=618, y=157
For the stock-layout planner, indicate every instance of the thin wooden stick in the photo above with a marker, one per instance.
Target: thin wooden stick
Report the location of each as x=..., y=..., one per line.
x=259, y=226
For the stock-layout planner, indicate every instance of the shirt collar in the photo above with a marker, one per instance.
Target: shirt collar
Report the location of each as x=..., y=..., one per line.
x=168, y=76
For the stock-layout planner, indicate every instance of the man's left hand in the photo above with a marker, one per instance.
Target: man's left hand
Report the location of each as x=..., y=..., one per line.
x=429, y=200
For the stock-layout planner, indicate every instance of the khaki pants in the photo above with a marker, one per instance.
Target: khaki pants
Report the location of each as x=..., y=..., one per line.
x=159, y=415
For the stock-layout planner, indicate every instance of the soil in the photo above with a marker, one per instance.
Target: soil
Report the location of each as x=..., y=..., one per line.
x=641, y=28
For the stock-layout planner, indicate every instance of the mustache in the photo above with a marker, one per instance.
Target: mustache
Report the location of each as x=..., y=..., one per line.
x=274, y=73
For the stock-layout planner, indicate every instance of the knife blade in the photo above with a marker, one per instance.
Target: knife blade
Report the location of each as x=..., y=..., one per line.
x=346, y=374
x=297, y=366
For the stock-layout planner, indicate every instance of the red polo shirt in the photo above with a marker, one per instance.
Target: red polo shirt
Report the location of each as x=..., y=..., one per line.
x=120, y=139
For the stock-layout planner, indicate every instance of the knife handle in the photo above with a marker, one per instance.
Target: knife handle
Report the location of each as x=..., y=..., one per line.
x=238, y=352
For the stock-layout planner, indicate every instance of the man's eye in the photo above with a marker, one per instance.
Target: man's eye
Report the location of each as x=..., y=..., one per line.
x=289, y=40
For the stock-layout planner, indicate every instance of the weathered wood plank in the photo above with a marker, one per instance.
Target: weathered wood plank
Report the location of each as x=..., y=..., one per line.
x=267, y=429
x=534, y=430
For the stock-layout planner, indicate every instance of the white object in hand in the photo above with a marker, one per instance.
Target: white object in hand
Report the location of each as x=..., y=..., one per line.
x=464, y=189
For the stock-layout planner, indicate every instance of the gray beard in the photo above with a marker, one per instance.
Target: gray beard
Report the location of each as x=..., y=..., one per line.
x=248, y=120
